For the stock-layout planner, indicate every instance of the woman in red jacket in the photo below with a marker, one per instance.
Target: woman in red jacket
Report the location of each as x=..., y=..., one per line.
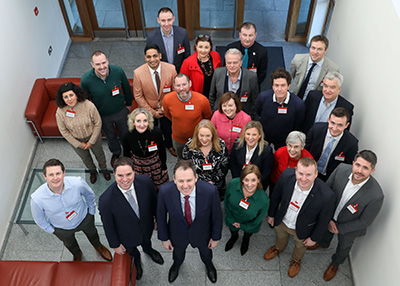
x=200, y=66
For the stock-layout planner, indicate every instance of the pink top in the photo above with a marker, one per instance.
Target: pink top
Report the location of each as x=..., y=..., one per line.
x=228, y=130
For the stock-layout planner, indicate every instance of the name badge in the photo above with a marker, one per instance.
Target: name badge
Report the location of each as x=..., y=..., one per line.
x=115, y=91
x=244, y=204
x=189, y=106
x=167, y=88
x=70, y=113
x=237, y=129
x=207, y=167
x=252, y=68
x=180, y=50
x=282, y=110
x=152, y=147
x=352, y=208
x=294, y=206
x=340, y=157
x=70, y=216
x=244, y=97
x=244, y=165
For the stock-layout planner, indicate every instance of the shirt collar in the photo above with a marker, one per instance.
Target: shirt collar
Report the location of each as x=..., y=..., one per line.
x=360, y=185
x=192, y=194
x=286, y=101
x=125, y=191
x=337, y=138
x=333, y=103
x=108, y=72
x=187, y=99
x=240, y=73
x=171, y=34
x=306, y=192
x=157, y=70
x=310, y=62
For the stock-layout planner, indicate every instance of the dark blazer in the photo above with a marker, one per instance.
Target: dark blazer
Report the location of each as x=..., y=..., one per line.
x=207, y=223
x=181, y=40
x=347, y=146
x=120, y=222
x=369, y=200
x=312, y=104
x=248, y=85
x=264, y=162
x=258, y=58
x=315, y=213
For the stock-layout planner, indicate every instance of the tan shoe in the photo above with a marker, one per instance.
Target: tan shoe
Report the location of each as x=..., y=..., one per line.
x=294, y=268
x=330, y=272
x=271, y=253
x=104, y=252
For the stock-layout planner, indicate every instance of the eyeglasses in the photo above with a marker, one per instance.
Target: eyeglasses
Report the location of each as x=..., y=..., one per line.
x=203, y=36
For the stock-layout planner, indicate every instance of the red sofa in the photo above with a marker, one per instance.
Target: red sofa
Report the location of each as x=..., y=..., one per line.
x=88, y=273
x=41, y=108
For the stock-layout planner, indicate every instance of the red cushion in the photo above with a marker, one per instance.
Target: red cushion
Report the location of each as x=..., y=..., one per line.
x=94, y=273
x=49, y=123
x=18, y=273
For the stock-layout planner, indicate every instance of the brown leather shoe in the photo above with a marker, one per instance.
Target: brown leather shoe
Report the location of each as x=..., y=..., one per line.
x=315, y=246
x=107, y=176
x=330, y=272
x=294, y=268
x=78, y=257
x=271, y=253
x=104, y=252
x=172, y=151
x=93, y=178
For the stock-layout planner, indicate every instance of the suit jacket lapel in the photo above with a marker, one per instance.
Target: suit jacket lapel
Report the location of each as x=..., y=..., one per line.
x=176, y=198
x=149, y=75
x=122, y=202
x=309, y=198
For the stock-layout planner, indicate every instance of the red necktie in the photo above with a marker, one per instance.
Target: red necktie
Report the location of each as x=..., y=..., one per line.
x=188, y=213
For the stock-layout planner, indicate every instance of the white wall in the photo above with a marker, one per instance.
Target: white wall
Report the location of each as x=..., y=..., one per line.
x=25, y=39
x=364, y=40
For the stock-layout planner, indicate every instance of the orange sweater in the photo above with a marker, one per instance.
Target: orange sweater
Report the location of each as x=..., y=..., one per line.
x=183, y=120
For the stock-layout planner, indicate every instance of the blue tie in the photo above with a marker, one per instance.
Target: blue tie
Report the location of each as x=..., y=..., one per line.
x=133, y=203
x=245, y=58
x=324, y=158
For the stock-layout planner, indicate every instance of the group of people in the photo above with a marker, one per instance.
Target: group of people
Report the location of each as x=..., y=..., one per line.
x=290, y=140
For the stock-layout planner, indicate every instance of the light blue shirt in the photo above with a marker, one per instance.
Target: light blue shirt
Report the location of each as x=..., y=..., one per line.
x=324, y=111
x=169, y=45
x=192, y=203
x=50, y=210
x=236, y=85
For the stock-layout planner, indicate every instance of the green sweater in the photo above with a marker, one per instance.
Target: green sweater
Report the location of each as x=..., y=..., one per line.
x=250, y=220
x=100, y=92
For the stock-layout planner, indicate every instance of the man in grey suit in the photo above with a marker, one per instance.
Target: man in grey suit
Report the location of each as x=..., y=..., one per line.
x=359, y=199
x=237, y=79
x=308, y=70
x=172, y=40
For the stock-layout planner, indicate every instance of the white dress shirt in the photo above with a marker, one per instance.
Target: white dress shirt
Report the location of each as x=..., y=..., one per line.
x=298, y=198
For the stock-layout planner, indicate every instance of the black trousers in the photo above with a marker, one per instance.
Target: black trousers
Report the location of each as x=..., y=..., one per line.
x=179, y=254
x=166, y=127
x=134, y=252
x=67, y=236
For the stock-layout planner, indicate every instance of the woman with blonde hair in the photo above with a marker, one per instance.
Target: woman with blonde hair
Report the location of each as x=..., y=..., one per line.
x=209, y=154
x=251, y=148
x=144, y=144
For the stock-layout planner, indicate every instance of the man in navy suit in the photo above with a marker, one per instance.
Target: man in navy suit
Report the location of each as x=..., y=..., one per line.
x=359, y=198
x=319, y=104
x=301, y=205
x=189, y=212
x=331, y=144
x=127, y=210
x=172, y=40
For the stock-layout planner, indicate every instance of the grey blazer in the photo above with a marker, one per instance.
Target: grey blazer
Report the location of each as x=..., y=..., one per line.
x=298, y=69
x=248, y=86
x=368, y=200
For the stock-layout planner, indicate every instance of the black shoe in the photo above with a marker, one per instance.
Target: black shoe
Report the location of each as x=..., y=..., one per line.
x=93, y=178
x=173, y=273
x=212, y=273
x=231, y=242
x=139, y=271
x=156, y=257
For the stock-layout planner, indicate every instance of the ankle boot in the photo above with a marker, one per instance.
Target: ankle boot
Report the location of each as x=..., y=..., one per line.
x=245, y=243
x=232, y=240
